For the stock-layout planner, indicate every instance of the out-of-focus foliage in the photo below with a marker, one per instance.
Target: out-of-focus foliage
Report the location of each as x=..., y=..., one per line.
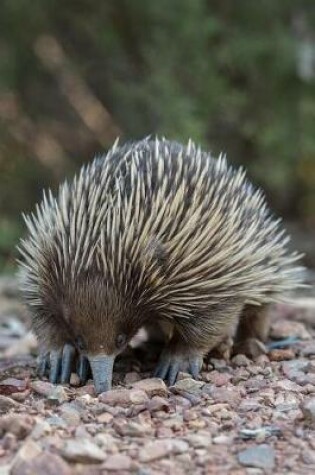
x=234, y=76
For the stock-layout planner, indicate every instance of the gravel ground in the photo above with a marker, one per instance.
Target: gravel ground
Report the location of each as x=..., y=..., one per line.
x=242, y=417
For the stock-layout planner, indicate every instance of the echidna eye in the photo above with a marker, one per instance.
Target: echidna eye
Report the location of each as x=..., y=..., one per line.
x=80, y=343
x=121, y=340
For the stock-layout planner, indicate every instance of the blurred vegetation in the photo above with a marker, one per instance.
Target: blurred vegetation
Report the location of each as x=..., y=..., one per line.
x=234, y=76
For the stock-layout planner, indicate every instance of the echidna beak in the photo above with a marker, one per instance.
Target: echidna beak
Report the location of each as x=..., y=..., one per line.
x=102, y=370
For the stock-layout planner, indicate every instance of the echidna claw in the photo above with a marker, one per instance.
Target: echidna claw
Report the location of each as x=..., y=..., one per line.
x=68, y=354
x=83, y=369
x=43, y=364
x=195, y=366
x=55, y=366
x=170, y=365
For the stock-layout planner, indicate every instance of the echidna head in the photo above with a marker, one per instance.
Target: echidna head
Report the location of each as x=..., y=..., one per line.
x=102, y=324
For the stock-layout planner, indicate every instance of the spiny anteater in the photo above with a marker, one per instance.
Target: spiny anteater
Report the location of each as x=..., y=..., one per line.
x=152, y=231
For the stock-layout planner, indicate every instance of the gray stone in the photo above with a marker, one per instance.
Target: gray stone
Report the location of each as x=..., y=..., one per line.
x=7, y=403
x=240, y=360
x=82, y=451
x=58, y=395
x=308, y=409
x=42, y=464
x=260, y=456
x=27, y=453
x=18, y=424
x=70, y=415
x=294, y=365
x=189, y=385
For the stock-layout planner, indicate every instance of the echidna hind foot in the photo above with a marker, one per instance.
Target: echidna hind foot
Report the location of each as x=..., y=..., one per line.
x=170, y=364
x=190, y=342
x=252, y=331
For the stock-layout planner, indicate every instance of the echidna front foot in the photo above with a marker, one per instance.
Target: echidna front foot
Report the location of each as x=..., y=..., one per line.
x=171, y=364
x=57, y=364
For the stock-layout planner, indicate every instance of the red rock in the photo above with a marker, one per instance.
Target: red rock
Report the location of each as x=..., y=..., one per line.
x=82, y=451
x=231, y=395
x=118, y=462
x=281, y=355
x=152, y=387
x=158, y=403
x=42, y=387
x=124, y=427
x=87, y=390
x=105, y=418
x=12, y=385
x=219, y=379
x=123, y=397
x=240, y=360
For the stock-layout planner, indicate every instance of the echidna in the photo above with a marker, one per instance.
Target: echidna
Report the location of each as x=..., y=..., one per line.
x=153, y=231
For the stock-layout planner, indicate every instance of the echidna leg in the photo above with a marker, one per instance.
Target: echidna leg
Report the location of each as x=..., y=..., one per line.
x=192, y=339
x=179, y=356
x=252, y=331
x=170, y=365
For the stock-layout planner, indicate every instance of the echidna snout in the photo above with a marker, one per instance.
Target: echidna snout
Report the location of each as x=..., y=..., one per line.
x=102, y=370
x=101, y=327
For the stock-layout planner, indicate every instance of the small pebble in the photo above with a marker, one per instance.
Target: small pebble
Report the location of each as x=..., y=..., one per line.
x=118, y=462
x=240, y=360
x=308, y=409
x=58, y=395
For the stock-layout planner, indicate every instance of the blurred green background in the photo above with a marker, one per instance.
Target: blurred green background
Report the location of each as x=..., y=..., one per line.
x=234, y=76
